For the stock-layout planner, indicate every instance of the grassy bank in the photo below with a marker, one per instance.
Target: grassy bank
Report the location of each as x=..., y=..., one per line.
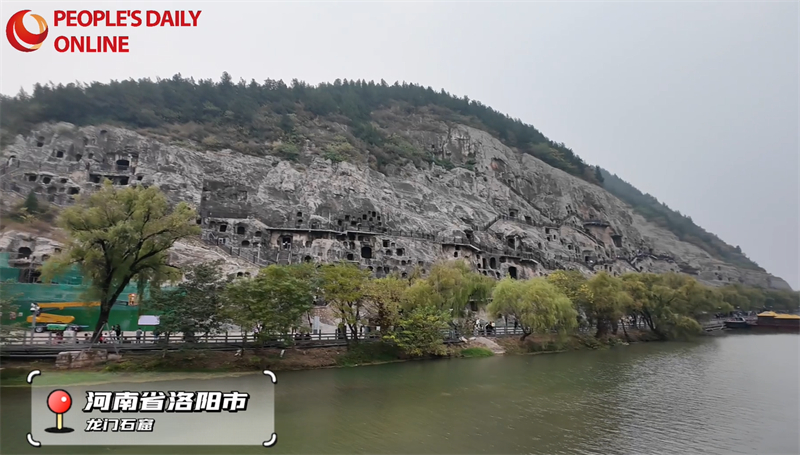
x=135, y=367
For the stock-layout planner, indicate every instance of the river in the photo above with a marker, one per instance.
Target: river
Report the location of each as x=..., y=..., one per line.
x=719, y=395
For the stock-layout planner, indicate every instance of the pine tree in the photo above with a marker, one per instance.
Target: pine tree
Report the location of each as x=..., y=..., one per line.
x=31, y=204
x=598, y=174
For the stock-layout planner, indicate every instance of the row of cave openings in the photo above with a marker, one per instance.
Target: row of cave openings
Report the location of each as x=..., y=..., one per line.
x=45, y=179
x=86, y=141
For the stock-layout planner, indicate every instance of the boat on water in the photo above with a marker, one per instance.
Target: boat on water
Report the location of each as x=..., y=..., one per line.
x=778, y=322
x=767, y=321
x=739, y=323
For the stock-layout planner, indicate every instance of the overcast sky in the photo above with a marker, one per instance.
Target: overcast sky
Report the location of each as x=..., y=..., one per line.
x=695, y=103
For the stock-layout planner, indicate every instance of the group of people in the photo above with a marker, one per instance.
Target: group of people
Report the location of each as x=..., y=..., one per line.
x=115, y=335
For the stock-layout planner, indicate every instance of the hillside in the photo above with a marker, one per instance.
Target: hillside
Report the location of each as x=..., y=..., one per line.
x=415, y=141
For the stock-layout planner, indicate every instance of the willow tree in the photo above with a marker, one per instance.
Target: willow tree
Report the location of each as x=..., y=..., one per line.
x=458, y=287
x=117, y=235
x=606, y=302
x=536, y=303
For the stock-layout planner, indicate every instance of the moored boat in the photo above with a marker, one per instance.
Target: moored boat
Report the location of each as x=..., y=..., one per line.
x=772, y=321
x=738, y=323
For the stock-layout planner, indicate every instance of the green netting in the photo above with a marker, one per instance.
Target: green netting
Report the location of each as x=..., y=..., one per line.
x=68, y=287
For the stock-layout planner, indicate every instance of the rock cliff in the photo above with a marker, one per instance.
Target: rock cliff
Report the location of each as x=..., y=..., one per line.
x=502, y=211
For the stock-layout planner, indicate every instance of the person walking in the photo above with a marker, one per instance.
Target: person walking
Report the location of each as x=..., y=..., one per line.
x=139, y=335
x=118, y=333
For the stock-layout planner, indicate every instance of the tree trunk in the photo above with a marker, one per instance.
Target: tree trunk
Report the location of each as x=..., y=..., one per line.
x=615, y=326
x=602, y=328
x=625, y=331
x=525, y=334
x=354, y=331
x=105, y=311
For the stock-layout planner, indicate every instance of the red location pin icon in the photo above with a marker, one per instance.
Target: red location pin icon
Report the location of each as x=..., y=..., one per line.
x=59, y=402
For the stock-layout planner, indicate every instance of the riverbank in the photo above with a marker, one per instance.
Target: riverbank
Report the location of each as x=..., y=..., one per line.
x=253, y=360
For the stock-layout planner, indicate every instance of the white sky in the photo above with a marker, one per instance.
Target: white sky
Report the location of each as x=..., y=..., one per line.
x=695, y=103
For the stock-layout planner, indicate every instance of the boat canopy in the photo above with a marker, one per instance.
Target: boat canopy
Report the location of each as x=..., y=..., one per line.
x=767, y=314
x=787, y=316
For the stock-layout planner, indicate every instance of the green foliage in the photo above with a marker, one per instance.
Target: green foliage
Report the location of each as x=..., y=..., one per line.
x=116, y=235
x=288, y=151
x=680, y=225
x=383, y=301
x=274, y=301
x=420, y=332
x=31, y=203
x=538, y=305
x=195, y=306
x=451, y=287
x=476, y=352
x=344, y=287
x=31, y=210
x=245, y=110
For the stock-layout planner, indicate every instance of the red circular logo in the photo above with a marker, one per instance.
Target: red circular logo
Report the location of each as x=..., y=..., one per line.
x=18, y=36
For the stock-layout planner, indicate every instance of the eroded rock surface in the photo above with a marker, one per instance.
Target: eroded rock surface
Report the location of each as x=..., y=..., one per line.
x=504, y=212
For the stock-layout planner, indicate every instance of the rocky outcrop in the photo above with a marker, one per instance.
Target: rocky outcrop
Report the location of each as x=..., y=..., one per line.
x=502, y=211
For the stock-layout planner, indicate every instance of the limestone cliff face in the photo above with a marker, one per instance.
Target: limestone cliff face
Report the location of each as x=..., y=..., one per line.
x=504, y=212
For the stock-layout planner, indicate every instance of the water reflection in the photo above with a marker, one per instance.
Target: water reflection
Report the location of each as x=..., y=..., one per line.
x=735, y=394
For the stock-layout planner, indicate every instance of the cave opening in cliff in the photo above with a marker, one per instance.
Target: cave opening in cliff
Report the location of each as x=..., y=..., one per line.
x=512, y=213
x=60, y=154
x=350, y=257
x=287, y=242
x=617, y=239
x=366, y=252
x=400, y=252
x=511, y=242
x=503, y=259
x=492, y=263
x=512, y=272
x=245, y=243
x=307, y=259
x=52, y=190
x=483, y=263
x=40, y=141
x=78, y=157
x=240, y=229
x=32, y=177
x=24, y=252
x=528, y=219
x=586, y=258
x=223, y=228
x=122, y=165
x=45, y=180
x=299, y=214
x=455, y=254
x=123, y=180
x=388, y=252
x=257, y=234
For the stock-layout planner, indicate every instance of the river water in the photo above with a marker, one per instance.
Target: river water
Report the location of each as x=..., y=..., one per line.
x=721, y=395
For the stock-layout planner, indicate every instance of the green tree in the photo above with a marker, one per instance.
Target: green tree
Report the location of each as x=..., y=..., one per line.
x=537, y=304
x=671, y=304
x=421, y=332
x=31, y=203
x=606, y=302
x=274, y=301
x=344, y=287
x=115, y=235
x=195, y=306
x=384, y=297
